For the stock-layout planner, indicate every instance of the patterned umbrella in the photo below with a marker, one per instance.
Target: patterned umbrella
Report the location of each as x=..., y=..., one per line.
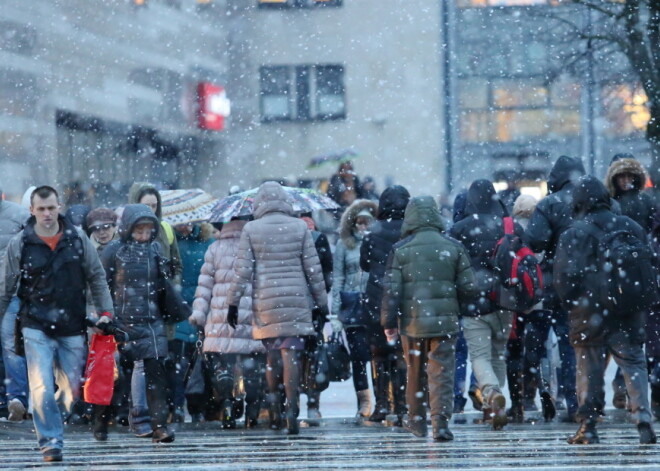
x=345, y=155
x=304, y=200
x=186, y=206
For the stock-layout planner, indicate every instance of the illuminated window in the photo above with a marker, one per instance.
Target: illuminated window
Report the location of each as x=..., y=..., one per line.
x=504, y=3
x=625, y=109
x=302, y=92
x=298, y=3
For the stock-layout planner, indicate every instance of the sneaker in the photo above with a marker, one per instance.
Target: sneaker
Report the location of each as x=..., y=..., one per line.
x=52, y=454
x=16, y=411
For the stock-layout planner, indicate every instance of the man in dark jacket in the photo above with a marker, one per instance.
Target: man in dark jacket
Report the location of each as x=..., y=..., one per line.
x=594, y=332
x=56, y=264
x=12, y=220
x=552, y=216
x=427, y=274
x=388, y=365
x=486, y=326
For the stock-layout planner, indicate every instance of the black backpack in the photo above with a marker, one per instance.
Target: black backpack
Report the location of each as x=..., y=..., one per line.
x=519, y=284
x=628, y=282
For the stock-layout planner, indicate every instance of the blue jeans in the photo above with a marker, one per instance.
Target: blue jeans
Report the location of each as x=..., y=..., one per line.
x=53, y=360
x=16, y=379
x=139, y=417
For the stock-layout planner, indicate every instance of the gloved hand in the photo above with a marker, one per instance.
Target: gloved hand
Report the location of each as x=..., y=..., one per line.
x=336, y=325
x=232, y=316
x=105, y=324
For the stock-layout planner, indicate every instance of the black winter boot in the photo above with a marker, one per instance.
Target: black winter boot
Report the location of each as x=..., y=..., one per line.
x=585, y=435
x=440, y=426
x=417, y=426
x=275, y=411
x=646, y=433
x=399, y=382
x=516, y=412
x=381, y=381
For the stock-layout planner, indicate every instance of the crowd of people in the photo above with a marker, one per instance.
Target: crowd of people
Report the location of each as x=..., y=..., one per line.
x=413, y=293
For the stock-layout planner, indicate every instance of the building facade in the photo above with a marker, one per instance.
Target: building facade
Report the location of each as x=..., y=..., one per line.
x=95, y=95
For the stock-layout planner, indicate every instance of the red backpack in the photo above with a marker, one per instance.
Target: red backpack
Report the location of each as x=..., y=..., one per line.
x=519, y=284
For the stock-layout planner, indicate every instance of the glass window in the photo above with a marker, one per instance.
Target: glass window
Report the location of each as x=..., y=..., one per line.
x=517, y=125
x=330, y=92
x=625, y=109
x=473, y=93
x=516, y=93
x=475, y=126
x=275, y=93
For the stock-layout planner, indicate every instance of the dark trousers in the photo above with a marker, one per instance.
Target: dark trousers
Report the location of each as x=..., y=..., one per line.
x=358, y=345
x=158, y=391
x=538, y=327
x=222, y=368
x=515, y=360
x=284, y=373
x=430, y=363
x=591, y=364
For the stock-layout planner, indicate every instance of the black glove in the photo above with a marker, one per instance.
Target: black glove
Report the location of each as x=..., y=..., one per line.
x=232, y=316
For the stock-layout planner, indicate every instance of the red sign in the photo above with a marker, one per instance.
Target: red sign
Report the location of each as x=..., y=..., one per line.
x=213, y=106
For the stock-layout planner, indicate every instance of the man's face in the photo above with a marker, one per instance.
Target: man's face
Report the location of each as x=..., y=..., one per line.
x=45, y=210
x=151, y=201
x=142, y=232
x=104, y=232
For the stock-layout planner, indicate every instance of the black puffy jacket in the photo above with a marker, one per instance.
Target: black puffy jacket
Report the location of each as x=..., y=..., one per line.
x=479, y=231
x=577, y=275
x=377, y=245
x=135, y=276
x=635, y=203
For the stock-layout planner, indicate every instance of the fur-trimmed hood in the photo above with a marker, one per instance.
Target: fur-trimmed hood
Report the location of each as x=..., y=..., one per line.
x=348, y=220
x=628, y=165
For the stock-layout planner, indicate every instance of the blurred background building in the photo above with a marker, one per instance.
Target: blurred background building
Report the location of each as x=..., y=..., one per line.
x=96, y=94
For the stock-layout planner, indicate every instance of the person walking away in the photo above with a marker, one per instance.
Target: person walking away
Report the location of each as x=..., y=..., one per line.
x=486, y=325
x=388, y=367
x=348, y=279
x=135, y=275
x=14, y=388
x=552, y=216
x=325, y=257
x=193, y=241
x=55, y=264
x=427, y=274
x=625, y=182
x=285, y=299
x=226, y=347
x=595, y=330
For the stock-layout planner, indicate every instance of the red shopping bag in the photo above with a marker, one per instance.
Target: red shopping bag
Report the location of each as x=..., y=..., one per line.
x=100, y=370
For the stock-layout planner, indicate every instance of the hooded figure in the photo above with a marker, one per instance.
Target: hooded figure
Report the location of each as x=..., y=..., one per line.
x=487, y=329
x=427, y=274
x=388, y=368
x=135, y=272
x=594, y=332
x=276, y=255
x=479, y=230
x=166, y=238
x=625, y=180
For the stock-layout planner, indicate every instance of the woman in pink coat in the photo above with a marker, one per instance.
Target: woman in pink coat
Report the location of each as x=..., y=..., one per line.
x=226, y=348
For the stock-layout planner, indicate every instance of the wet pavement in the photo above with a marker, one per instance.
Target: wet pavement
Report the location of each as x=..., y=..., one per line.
x=338, y=443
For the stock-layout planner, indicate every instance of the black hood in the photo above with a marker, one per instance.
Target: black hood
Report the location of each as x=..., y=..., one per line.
x=392, y=202
x=130, y=217
x=77, y=214
x=482, y=199
x=566, y=170
x=589, y=195
x=459, y=206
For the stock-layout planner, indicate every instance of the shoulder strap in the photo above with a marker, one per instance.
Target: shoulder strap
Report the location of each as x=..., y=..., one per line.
x=169, y=232
x=508, y=225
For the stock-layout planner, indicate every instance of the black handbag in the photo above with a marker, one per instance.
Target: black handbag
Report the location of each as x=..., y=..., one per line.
x=316, y=368
x=195, y=375
x=339, y=360
x=352, y=311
